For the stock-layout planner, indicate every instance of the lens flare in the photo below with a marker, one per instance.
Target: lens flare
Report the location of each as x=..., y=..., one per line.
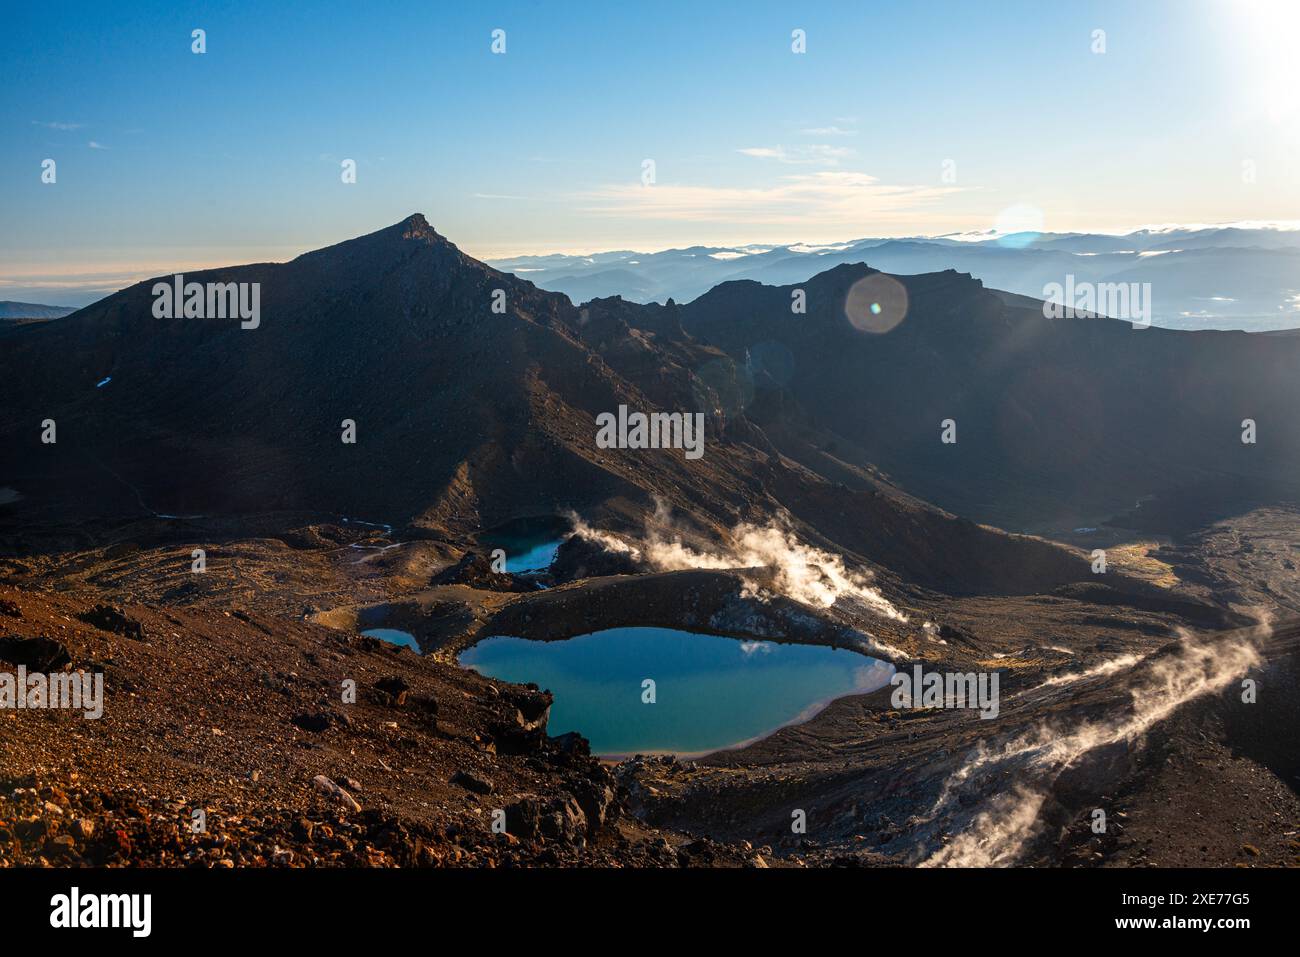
x=876, y=303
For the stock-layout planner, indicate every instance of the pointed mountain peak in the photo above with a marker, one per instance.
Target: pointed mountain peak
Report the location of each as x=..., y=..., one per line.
x=383, y=242
x=413, y=227
x=416, y=226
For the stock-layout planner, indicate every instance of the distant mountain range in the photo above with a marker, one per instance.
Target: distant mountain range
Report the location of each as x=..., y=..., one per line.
x=29, y=310
x=1201, y=278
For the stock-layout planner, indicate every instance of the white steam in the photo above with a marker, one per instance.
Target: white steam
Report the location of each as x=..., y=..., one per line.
x=997, y=835
x=799, y=571
x=611, y=543
x=1105, y=668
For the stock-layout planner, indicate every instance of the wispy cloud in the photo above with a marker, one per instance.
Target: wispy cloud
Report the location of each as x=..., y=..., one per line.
x=96, y=146
x=58, y=126
x=829, y=131
x=825, y=197
x=106, y=277
x=815, y=153
x=75, y=278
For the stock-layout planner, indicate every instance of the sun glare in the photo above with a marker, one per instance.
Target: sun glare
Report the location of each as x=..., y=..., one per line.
x=1270, y=29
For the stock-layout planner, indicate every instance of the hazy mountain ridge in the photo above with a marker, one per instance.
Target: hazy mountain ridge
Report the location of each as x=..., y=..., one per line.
x=1214, y=277
x=31, y=310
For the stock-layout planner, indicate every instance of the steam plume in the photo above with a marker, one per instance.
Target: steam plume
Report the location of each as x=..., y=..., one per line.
x=799, y=571
x=998, y=834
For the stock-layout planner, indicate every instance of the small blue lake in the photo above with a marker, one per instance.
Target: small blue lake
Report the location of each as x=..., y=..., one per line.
x=710, y=692
x=532, y=556
x=395, y=637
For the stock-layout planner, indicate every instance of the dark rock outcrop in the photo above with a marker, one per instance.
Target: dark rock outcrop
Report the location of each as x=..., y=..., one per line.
x=113, y=619
x=580, y=557
x=37, y=654
x=476, y=571
x=558, y=818
x=472, y=782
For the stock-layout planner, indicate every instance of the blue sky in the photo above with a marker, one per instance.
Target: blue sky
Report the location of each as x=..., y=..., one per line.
x=167, y=159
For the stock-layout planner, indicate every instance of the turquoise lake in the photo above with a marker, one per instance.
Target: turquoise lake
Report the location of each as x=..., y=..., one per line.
x=532, y=556
x=710, y=692
x=393, y=636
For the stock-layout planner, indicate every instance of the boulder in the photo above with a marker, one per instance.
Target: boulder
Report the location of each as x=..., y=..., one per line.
x=314, y=722
x=37, y=654
x=597, y=800
x=328, y=788
x=520, y=727
x=472, y=782
x=558, y=818
x=114, y=619
x=395, y=688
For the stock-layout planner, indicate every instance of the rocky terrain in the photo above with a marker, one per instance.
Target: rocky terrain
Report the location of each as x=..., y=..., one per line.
x=242, y=718
x=228, y=700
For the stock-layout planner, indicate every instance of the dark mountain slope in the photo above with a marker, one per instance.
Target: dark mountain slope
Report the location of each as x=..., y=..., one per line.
x=854, y=507
x=465, y=418
x=392, y=330
x=1058, y=420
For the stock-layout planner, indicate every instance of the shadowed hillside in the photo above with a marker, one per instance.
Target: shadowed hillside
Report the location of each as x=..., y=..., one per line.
x=1058, y=421
x=465, y=418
